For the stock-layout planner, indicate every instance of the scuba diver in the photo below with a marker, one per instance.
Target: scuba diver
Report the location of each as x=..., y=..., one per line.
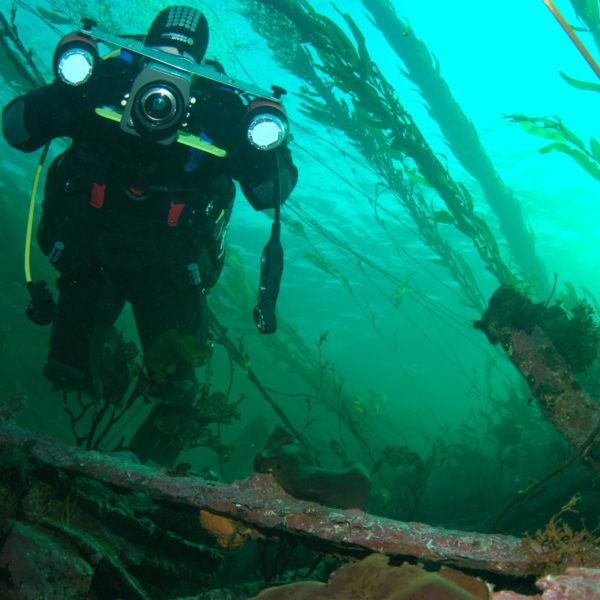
x=136, y=209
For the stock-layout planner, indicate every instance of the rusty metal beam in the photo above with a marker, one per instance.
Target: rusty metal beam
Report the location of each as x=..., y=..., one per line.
x=260, y=504
x=562, y=398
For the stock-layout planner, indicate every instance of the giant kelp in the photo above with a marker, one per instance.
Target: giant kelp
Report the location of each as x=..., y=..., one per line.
x=589, y=13
x=348, y=92
x=424, y=70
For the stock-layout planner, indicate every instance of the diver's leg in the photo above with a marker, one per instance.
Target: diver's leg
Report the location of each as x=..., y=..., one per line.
x=86, y=304
x=168, y=308
x=68, y=364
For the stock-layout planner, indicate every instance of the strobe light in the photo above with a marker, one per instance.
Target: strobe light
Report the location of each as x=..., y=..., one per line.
x=75, y=59
x=267, y=124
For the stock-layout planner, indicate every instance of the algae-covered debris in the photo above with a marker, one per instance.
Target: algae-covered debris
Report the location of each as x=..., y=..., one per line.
x=575, y=334
x=560, y=545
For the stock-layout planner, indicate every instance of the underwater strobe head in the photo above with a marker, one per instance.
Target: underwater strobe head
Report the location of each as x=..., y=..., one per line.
x=75, y=59
x=266, y=122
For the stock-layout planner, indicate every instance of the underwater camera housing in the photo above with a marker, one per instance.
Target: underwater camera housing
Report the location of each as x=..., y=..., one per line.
x=161, y=97
x=158, y=103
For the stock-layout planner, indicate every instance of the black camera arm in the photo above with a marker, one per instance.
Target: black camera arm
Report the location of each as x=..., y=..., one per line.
x=176, y=62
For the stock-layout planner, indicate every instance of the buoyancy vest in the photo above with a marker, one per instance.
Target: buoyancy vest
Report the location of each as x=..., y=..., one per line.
x=130, y=205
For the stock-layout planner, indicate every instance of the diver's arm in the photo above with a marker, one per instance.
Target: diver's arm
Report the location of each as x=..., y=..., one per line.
x=54, y=110
x=32, y=120
x=265, y=175
x=221, y=117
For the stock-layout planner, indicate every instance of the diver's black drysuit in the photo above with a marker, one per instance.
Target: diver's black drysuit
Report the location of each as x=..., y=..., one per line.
x=126, y=219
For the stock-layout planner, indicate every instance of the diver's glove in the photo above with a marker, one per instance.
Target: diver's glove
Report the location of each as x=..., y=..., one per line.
x=254, y=170
x=42, y=309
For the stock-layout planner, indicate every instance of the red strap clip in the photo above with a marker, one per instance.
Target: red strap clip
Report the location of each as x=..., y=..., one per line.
x=137, y=190
x=97, y=196
x=175, y=211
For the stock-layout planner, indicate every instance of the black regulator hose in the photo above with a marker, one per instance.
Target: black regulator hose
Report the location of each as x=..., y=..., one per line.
x=271, y=264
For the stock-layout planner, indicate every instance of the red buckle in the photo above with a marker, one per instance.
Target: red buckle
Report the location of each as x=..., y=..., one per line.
x=175, y=211
x=97, y=195
x=137, y=191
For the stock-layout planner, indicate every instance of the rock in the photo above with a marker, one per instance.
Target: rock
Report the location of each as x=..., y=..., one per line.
x=576, y=584
x=373, y=577
x=41, y=566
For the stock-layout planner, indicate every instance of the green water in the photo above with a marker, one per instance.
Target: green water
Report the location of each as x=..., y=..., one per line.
x=400, y=346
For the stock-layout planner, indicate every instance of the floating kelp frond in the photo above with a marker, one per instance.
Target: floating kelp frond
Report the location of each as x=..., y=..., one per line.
x=550, y=128
x=402, y=291
x=319, y=261
x=567, y=142
x=376, y=105
x=591, y=165
x=580, y=85
x=443, y=216
x=589, y=12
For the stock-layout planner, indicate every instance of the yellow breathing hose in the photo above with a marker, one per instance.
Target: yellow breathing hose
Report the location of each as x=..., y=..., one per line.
x=29, y=230
x=34, y=192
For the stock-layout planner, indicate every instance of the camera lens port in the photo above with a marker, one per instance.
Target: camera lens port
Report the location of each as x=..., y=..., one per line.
x=157, y=108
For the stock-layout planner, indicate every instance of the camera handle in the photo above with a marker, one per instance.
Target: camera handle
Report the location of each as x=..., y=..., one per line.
x=271, y=264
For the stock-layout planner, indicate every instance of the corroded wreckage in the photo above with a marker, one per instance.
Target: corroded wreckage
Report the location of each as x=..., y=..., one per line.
x=525, y=331
x=77, y=520
x=261, y=505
